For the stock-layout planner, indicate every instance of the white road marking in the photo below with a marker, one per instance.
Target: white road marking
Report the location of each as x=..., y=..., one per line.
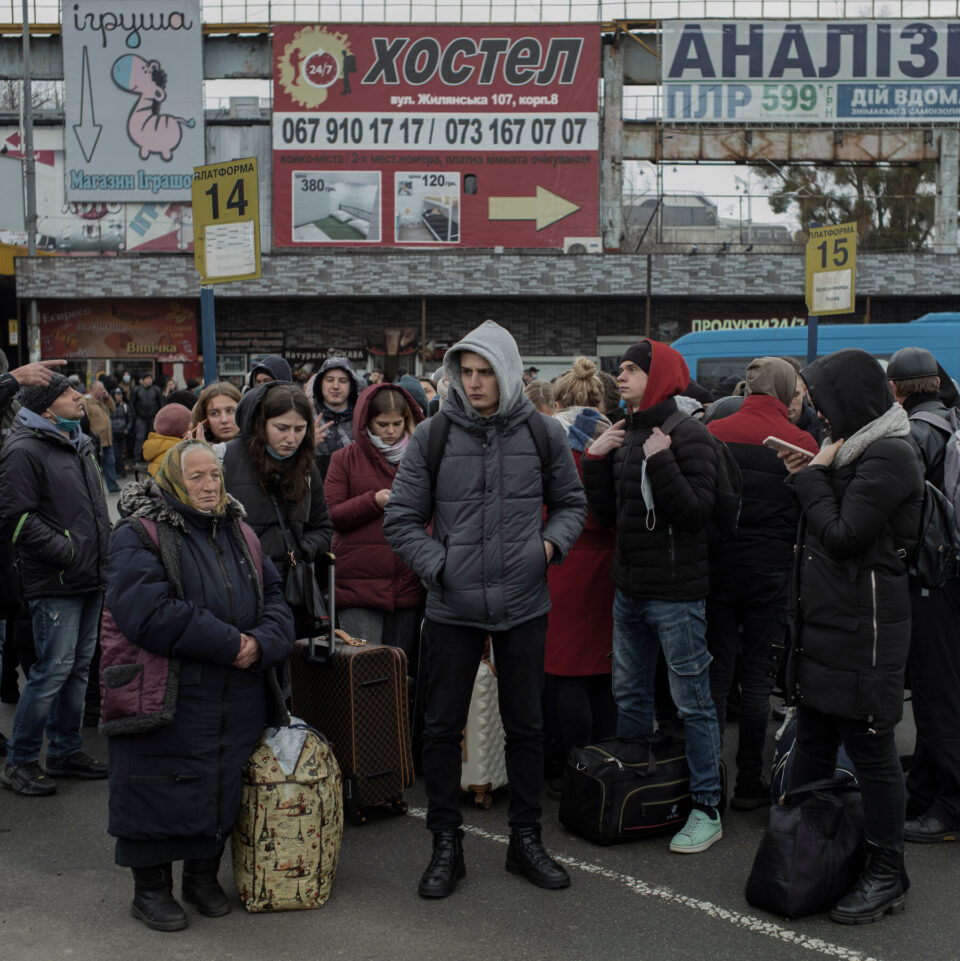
x=740, y=920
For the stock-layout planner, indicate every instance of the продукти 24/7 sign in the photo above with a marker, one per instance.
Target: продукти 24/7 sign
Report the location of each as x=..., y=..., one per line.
x=873, y=71
x=403, y=136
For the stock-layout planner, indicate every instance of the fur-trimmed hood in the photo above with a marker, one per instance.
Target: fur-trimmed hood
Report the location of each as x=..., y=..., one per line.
x=145, y=499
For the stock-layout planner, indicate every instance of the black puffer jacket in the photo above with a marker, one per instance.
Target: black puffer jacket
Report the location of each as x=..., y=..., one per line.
x=340, y=433
x=669, y=559
x=850, y=585
x=308, y=521
x=52, y=507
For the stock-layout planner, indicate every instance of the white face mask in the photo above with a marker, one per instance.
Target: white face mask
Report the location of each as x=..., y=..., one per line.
x=646, y=489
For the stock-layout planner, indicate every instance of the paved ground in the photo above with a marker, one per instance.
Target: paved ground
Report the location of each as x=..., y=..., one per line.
x=61, y=896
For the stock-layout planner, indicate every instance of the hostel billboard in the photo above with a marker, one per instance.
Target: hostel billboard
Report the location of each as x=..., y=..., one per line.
x=133, y=77
x=406, y=135
x=767, y=71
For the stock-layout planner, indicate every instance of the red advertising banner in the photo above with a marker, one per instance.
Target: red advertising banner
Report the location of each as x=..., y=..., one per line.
x=165, y=330
x=401, y=135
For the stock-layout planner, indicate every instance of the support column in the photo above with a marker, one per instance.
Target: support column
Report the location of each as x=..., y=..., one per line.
x=611, y=161
x=948, y=174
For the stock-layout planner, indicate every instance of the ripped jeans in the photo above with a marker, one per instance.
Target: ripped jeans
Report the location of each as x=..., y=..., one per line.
x=65, y=636
x=641, y=627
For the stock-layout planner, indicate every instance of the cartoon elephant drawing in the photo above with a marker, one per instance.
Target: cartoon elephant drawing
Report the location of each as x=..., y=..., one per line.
x=150, y=130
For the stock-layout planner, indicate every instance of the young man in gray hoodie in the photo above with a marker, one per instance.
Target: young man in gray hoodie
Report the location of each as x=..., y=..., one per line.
x=484, y=566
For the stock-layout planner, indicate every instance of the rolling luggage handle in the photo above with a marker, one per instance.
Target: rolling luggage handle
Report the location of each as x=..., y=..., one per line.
x=324, y=656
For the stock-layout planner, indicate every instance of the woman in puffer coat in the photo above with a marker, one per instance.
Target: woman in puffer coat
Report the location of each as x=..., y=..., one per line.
x=378, y=597
x=196, y=618
x=270, y=470
x=860, y=499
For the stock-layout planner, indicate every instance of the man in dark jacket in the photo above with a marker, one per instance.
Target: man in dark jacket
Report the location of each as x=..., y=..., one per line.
x=485, y=569
x=146, y=400
x=30, y=375
x=658, y=490
x=750, y=572
x=52, y=506
x=933, y=782
x=335, y=391
x=860, y=499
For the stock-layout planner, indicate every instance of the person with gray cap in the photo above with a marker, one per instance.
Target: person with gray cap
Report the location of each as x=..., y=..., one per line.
x=933, y=781
x=52, y=507
x=484, y=564
x=750, y=571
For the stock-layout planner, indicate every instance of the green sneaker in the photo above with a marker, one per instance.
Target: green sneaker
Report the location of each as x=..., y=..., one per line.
x=697, y=834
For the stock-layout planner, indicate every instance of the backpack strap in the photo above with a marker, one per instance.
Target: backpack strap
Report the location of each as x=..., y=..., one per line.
x=935, y=420
x=254, y=546
x=677, y=417
x=440, y=430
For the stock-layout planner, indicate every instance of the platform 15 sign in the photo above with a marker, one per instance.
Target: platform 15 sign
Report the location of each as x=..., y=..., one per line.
x=226, y=221
x=831, y=269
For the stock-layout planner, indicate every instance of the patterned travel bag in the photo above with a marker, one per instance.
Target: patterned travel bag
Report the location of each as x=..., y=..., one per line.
x=484, y=765
x=286, y=842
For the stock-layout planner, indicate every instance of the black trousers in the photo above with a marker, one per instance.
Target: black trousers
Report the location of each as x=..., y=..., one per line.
x=756, y=599
x=933, y=783
x=874, y=755
x=582, y=708
x=453, y=655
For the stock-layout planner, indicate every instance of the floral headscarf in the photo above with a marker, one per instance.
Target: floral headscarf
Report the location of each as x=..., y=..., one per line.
x=169, y=477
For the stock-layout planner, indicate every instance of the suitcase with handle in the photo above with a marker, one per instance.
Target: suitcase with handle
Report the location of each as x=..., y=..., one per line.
x=357, y=696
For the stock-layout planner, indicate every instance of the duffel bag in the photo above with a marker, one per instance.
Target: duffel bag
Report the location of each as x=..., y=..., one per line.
x=622, y=789
x=812, y=852
x=286, y=841
x=785, y=754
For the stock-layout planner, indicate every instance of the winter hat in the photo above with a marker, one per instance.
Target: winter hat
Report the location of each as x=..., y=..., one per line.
x=38, y=399
x=413, y=387
x=910, y=362
x=187, y=398
x=772, y=376
x=640, y=354
x=172, y=420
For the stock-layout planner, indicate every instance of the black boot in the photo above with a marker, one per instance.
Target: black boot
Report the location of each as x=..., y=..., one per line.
x=526, y=856
x=878, y=891
x=446, y=865
x=153, y=900
x=201, y=888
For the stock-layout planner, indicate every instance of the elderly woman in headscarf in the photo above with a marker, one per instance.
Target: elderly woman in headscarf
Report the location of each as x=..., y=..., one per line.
x=194, y=628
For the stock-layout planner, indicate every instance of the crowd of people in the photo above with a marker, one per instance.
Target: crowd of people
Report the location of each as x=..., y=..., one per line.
x=575, y=525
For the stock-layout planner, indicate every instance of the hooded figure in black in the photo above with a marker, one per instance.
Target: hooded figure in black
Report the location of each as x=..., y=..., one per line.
x=860, y=499
x=335, y=404
x=273, y=367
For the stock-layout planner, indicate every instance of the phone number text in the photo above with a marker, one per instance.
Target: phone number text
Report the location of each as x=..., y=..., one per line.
x=540, y=131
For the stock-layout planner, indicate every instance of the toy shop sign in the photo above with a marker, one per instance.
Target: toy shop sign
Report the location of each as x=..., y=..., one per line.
x=133, y=79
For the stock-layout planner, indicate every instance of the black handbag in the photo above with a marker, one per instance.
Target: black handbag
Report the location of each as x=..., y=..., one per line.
x=812, y=852
x=300, y=587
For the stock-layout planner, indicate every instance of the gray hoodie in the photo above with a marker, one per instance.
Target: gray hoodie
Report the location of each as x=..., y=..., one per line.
x=495, y=344
x=483, y=563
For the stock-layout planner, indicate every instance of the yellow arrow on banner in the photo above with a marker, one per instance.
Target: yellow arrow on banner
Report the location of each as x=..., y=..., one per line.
x=546, y=208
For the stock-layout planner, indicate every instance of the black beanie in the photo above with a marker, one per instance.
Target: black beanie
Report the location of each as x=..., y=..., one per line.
x=640, y=354
x=38, y=399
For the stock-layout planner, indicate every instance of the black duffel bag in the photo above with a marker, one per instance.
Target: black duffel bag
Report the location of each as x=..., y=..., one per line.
x=812, y=852
x=623, y=789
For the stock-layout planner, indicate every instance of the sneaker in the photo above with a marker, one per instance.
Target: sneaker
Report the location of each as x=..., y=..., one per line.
x=700, y=832
x=750, y=796
x=76, y=765
x=28, y=779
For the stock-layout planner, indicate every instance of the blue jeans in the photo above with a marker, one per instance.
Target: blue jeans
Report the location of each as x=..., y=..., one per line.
x=65, y=637
x=640, y=628
x=110, y=469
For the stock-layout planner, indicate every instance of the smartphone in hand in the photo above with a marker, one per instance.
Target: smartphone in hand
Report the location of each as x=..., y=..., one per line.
x=775, y=443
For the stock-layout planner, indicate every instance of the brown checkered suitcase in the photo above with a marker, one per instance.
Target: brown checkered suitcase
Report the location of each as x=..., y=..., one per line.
x=357, y=697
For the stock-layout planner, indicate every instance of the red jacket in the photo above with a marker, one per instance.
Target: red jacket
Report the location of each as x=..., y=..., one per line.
x=580, y=627
x=369, y=574
x=760, y=416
